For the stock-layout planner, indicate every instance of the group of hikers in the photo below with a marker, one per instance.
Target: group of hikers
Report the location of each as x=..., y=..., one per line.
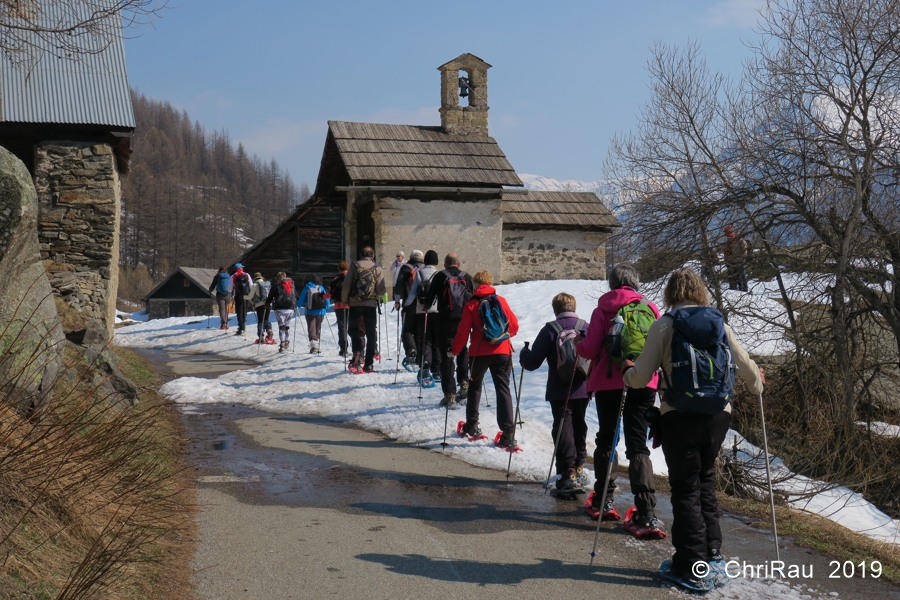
x=454, y=328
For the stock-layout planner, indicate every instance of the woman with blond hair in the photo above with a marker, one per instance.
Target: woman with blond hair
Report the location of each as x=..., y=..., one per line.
x=484, y=356
x=692, y=426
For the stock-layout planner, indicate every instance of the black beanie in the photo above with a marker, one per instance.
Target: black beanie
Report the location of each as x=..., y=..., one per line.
x=431, y=258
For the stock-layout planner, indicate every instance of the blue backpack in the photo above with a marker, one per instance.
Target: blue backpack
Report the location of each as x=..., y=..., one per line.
x=223, y=284
x=494, y=319
x=703, y=370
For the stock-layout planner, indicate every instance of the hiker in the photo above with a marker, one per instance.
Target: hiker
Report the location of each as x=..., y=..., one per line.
x=395, y=267
x=282, y=299
x=222, y=284
x=258, y=298
x=341, y=310
x=451, y=288
x=243, y=285
x=485, y=355
x=735, y=253
x=315, y=304
x=691, y=429
x=605, y=382
x=427, y=340
x=363, y=289
x=402, y=287
x=566, y=389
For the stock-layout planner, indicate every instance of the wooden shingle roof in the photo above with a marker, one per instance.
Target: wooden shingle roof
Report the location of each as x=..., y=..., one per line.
x=374, y=152
x=558, y=210
x=199, y=277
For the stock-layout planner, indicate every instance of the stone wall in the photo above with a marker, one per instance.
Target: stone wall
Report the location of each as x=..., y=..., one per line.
x=159, y=309
x=78, y=229
x=547, y=254
x=473, y=229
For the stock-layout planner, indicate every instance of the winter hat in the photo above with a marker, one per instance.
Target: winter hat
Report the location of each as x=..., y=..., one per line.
x=415, y=255
x=431, y=258
x=257, y=276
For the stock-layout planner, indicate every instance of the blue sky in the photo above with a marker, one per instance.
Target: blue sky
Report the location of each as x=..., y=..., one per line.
x=566, y=76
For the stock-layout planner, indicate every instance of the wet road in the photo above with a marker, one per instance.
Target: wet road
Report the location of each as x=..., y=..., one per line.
x=300, y=507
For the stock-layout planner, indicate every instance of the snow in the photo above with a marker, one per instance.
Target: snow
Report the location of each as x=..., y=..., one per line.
x=547, y=184
x=882, y=428
x=140, y=316
x=300, y=383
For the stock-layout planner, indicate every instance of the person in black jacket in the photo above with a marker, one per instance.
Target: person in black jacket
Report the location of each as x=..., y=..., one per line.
x=569, y=426
x=446, y=284
x=405, y=279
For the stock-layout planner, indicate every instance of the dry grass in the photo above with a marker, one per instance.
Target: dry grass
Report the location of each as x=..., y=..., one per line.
x=92, y=500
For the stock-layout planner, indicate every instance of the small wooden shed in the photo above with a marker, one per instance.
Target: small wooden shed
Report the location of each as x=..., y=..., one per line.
x=183, y=293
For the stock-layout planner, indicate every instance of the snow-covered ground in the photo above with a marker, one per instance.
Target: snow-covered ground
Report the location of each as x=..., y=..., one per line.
x=299, y=383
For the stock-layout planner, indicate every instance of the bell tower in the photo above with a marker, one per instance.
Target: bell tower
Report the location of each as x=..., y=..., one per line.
x=464, y=103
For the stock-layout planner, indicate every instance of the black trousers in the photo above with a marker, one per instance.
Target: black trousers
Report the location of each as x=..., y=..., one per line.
x=691, y=442
x=369, y=315
x=428, y=341
x=500, y=366
x=408, y=335
x=634, y=430
x=342, y=314
x=572, y=449
x=240, y=307
x=446, y=332
x=262, y=320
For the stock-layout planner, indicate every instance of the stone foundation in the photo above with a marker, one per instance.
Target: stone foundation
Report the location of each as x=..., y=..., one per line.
x=159, y=309
x=78, y=228
x=545, y=254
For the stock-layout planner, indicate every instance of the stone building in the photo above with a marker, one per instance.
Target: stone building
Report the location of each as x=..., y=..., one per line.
x=71, y=123
x=183, y=293
x=448, y=188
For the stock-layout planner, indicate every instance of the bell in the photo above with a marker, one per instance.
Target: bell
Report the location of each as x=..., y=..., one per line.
x=463, y=87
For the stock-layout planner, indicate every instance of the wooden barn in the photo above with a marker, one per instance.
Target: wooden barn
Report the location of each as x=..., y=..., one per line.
x=183, y=293
x=311, y=240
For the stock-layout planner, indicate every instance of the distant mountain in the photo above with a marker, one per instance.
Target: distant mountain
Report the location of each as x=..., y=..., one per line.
x=546, y=184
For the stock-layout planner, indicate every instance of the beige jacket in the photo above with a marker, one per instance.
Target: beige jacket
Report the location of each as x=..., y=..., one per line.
x=658, y=353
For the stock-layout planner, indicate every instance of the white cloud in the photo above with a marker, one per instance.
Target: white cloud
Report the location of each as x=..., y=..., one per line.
x=277, y=135
x=734, y=13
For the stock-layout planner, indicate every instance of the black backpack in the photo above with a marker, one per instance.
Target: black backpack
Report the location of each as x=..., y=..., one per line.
x=569, y=366
x=315, y=299
x=422, y=290
x=456, y=293
x=336, y=287
x=244, y=286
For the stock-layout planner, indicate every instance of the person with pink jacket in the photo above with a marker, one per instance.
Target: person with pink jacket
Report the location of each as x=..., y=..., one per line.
x=605, y=382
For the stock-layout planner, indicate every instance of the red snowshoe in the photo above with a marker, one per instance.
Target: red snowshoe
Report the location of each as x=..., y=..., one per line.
x=594, y=513
x=471, y=438
x=270, y=339
x=515, y=448
x=652, y=532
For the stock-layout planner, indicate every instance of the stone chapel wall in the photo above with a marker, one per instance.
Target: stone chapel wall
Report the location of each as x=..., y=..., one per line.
x=547, y=254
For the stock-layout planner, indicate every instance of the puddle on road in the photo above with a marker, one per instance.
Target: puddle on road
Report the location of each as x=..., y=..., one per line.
x=204, y=366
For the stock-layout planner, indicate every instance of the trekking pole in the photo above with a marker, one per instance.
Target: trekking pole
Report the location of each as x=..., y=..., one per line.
x=521, y=379
x=331, y=329
x=296, y=316
x=762, y=416
x=518, y=401
x=612, y=457
x=422, y=360
x=558, y=435
x=378, y=320
x=387, y=338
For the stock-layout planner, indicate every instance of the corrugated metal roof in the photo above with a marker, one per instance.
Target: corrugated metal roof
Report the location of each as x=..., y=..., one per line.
x=407, y=153
x=92, y=90
x=557, y=209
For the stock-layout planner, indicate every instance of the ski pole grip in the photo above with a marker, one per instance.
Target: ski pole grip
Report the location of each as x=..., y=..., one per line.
x=526, y=345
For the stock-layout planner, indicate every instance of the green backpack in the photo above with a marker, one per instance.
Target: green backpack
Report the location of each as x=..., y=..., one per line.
x=628, y=332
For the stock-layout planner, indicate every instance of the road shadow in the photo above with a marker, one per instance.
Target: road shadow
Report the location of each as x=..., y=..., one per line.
x=486, y=573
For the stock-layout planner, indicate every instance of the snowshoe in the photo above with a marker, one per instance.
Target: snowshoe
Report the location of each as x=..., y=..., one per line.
x=368, y=369
x=355, y=366
x=270, y=339
x=508, y=445
x=377, y=356
x=566, y=487
x=410, y=364
x=461, y=432
x=642, y=531
x=609, y=513
x=583, y=478
x=564, y=494
x=425, y=378
x=688, y=582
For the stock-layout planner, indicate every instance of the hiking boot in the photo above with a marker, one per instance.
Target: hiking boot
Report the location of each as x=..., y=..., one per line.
x=507, y=441
x=582, y=477
x=463, y=390
x=471, y=430
x=568, y=481
x=448, y=401
x=368, y=369
x=223, y=326
x=436, y=375
x=648, y=521
x=715, y=555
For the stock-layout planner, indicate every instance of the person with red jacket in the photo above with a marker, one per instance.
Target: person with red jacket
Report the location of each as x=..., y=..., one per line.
x=605, y=381
x=484, y=356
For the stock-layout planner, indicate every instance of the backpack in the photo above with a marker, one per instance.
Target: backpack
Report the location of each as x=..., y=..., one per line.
x=315, y=299
x=422, y=290
x=364, y=284
x=495, y=323
x=244, y=285
x=456, y=293
x=703, y=370
x=264, y=287
x=223, y=284
x=628, y=332
x=336, y=287
x=413, y=273
x=569, y=365
x=284, y=293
